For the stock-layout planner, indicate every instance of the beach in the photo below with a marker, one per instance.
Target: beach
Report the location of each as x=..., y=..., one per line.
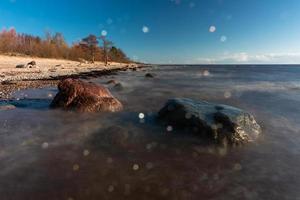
x=48, y=71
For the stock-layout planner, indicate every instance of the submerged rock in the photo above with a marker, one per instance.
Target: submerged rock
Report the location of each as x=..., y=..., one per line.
x=84, y=97
x=148, y=75
x=220, y=123
x=7, y=107
x=118, y=86
x=112, y=81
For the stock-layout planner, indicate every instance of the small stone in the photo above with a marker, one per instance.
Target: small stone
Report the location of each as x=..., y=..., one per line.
x=118, y=86
x=148, y=75
x=111, y=82
x=21, y=66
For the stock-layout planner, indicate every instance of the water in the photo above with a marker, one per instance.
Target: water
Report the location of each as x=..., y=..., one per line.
x=51, y=154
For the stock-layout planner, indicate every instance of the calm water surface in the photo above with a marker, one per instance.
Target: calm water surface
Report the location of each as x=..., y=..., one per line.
x=51, y=154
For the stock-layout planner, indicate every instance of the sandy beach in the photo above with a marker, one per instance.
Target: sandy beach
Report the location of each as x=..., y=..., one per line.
x=47, y=71
x=49, y=68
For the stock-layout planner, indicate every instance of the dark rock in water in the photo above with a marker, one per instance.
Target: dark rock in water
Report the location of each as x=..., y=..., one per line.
x=7, y=107
x=220, y=123
x=118, y=86
x=114, y=82
x=84, y=97
x=148, y=75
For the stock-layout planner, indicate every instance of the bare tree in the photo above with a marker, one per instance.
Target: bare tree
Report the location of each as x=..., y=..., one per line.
x=106, y=46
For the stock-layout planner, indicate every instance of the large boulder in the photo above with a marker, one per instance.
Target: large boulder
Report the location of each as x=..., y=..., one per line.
x=219, y=123
x=84, y=97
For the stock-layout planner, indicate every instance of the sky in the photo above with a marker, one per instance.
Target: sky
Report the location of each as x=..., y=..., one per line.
x=171, y=31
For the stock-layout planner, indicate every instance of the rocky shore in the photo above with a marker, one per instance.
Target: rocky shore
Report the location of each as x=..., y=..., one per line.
x=26, y=72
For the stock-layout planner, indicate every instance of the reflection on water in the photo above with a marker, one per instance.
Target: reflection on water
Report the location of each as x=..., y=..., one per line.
x=51, y=154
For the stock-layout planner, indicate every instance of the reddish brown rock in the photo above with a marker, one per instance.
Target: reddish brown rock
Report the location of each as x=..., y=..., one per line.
x=84, y=97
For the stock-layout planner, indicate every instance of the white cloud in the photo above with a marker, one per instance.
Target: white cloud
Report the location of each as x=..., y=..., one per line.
x=246, y=58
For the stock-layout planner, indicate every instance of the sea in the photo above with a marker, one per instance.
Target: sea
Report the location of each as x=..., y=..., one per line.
x=55, y=154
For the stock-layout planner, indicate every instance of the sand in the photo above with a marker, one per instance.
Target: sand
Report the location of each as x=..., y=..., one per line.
x=49, y=68
x=48, y=72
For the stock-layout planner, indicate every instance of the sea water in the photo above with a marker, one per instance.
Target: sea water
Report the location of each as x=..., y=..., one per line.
x=54, y=154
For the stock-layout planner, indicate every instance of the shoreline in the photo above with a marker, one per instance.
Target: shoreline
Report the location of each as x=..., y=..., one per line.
x=48, y=72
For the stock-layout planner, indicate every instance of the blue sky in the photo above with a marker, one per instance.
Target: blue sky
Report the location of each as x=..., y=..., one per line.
x=246, y=31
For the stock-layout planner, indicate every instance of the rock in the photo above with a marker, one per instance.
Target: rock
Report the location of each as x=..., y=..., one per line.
x=118, y=86
x=84, y=97
x=220, y=123
x=148, y=75
x=114, y=82
x=7, y=107
x=32, y=63
x=21, y=66
x=9, y=82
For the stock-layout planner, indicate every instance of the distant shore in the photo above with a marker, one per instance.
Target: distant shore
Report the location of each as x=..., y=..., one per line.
x=16, y=72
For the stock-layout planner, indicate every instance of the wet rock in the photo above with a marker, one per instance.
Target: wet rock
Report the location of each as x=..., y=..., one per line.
x=118, y=86
x=114, y=82
x=148, y=75
x=84, y=97
x=219, y=123
x=7, y=107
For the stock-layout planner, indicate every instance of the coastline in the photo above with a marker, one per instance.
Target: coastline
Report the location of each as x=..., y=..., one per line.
x=48, y=72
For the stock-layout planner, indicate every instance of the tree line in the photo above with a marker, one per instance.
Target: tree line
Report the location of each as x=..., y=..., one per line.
x=90, y=48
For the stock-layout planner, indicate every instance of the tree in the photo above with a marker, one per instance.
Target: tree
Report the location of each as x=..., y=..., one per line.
x=117, y=55
x=91, y=43
x=55, y=46
x=106, y=46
